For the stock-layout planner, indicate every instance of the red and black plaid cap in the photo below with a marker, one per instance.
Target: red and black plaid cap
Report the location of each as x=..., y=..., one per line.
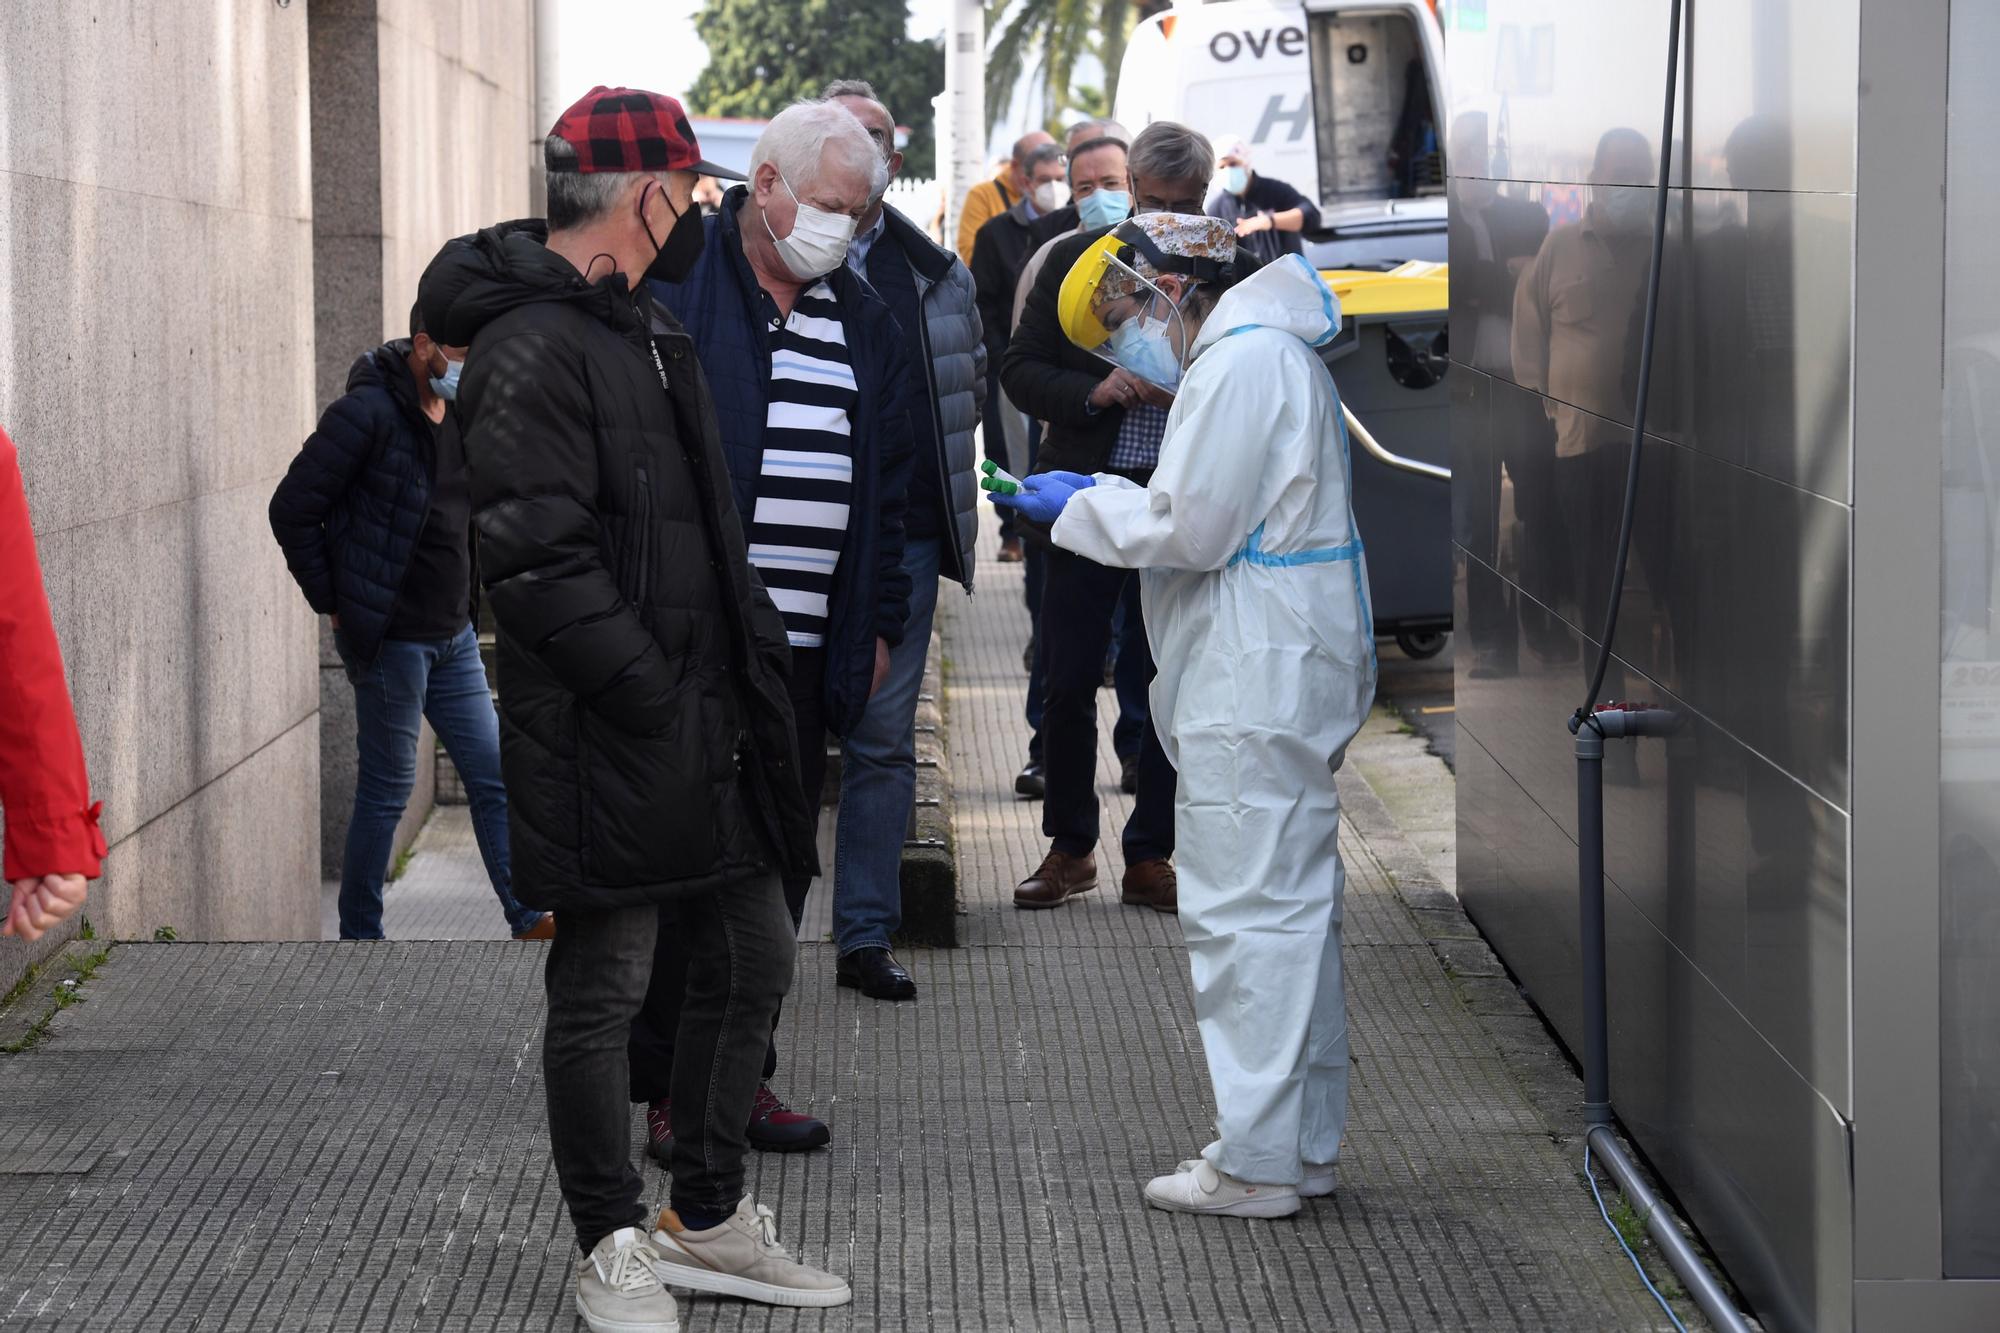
x=626, y=129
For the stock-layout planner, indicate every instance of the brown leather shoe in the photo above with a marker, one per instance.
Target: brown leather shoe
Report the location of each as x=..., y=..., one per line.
x=545, y=929
x=1153, y=884
x=1060, y=878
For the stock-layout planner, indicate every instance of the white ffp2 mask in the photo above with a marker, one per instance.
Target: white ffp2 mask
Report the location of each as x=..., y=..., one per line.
x=818, y=243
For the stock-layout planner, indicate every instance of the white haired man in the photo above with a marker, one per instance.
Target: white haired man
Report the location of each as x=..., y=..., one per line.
x=932, y=297
x=813, y=387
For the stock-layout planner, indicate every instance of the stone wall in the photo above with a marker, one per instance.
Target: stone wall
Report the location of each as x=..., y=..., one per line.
x=421, y=131
x=156, y=373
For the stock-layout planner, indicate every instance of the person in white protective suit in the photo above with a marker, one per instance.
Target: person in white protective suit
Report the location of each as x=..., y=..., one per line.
x=1256, y=603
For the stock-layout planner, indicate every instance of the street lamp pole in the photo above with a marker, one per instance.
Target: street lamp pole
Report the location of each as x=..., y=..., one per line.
x=962, y=126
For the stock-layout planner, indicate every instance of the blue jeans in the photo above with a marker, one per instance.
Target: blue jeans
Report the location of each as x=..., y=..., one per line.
x=443, y=680
x=878, y=777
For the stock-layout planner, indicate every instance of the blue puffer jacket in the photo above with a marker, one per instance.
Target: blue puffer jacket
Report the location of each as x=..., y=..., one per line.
x=722, y=307
x=348, y=511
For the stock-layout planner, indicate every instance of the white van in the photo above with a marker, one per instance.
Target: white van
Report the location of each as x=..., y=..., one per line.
x=1339, y=98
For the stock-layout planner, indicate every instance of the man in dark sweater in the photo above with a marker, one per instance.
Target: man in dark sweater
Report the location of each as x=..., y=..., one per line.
x=375, y=518
x=1269, y=215
x=999, y=250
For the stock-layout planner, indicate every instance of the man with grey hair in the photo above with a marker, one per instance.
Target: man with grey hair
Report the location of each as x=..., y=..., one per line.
x=812, y=384
x=646, y=734
x=1098, y=422
x=931, y=295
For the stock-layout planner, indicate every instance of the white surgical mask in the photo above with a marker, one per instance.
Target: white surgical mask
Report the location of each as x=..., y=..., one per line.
x=1104, y=208
x=1624, y=210
x=1145, y=346
x=1049, y=196
x=445, y=386
x=1235, y=179
x=818, y=243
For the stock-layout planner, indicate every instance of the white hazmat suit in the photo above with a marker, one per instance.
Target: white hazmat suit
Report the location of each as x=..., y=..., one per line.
x=1256, y=605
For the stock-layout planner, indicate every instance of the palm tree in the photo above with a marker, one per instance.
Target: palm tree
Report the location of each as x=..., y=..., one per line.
x=1050, y=37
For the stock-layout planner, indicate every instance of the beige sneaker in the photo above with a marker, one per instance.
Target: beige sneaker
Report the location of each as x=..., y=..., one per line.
x=617, y=1290
x=741, y=1257
x=1207, y=1190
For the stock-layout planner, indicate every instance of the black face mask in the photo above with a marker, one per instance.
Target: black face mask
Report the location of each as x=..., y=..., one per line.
x=675, y=257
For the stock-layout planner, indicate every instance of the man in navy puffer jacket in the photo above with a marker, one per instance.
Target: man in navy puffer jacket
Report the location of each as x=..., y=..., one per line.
x=813, y=384
x=375, y=518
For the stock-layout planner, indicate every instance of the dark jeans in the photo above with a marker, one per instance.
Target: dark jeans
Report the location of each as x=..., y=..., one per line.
x=660, y=1020
x=743, y=950
x=1036, y=568
x=1079, y=599
x=1131, y=676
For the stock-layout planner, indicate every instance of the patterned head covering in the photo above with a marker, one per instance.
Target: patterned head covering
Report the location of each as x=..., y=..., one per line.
x=1131, y=257
x=1207, y=244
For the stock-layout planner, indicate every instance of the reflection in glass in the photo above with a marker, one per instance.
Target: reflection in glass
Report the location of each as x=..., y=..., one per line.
x=1969, y=859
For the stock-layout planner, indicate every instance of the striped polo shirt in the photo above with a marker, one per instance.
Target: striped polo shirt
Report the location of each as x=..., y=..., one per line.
x=805, y=485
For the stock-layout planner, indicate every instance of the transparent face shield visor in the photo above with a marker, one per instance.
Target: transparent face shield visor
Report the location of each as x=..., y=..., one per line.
x=1145, y=329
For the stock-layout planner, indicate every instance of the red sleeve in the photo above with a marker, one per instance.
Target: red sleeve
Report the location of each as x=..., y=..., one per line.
x=44, y=791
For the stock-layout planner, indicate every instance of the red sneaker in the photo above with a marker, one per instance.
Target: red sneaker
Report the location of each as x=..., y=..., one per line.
x=660, y=1130
x=776, y=1127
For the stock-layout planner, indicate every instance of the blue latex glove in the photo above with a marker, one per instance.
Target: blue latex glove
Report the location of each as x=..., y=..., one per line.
x=1043, y=495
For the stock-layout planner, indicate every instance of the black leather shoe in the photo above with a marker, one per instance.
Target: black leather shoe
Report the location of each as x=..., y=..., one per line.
x=875, y=973
x=1030, y=783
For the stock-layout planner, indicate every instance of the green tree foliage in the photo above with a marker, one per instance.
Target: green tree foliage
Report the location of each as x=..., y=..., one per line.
x=1050, y=38
x=763, y=55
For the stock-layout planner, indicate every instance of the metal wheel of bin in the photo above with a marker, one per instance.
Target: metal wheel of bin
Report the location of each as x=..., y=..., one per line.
x=1421, y=644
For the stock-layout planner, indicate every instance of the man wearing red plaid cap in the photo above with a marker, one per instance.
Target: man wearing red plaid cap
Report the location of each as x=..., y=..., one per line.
x=646, y=731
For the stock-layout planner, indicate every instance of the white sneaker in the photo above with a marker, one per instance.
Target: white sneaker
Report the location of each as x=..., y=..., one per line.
x=741, y=1257
x=1318, y=1183
x=617, y=1291
x=1203, y=1189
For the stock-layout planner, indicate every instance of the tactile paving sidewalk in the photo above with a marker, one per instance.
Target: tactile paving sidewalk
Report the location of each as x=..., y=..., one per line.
x=350, y=1137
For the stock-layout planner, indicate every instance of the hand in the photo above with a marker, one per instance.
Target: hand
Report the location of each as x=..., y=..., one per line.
x=1044, y=495
x=1250, y=226
x=881, y=667
x=1121, y=388
x=43, y=902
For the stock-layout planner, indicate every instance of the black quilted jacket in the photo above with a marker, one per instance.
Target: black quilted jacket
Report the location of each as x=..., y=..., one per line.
x=646, y=735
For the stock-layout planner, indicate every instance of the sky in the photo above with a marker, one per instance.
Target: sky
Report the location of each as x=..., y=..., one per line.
x=651, y=44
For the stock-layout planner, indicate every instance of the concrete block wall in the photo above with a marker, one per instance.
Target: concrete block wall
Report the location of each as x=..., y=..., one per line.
x=156, y=373
x=421, y=114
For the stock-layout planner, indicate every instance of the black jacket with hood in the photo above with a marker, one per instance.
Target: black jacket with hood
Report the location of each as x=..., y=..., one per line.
x=351, y=506
x=646, y=734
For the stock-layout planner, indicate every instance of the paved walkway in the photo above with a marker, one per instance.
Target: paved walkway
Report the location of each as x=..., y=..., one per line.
x=340, y=1137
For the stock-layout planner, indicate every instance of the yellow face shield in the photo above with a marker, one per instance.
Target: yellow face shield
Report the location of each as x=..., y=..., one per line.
x=1115, y=312
x=1077, y=301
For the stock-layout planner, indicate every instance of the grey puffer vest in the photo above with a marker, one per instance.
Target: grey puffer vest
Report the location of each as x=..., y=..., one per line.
x=954, y=356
